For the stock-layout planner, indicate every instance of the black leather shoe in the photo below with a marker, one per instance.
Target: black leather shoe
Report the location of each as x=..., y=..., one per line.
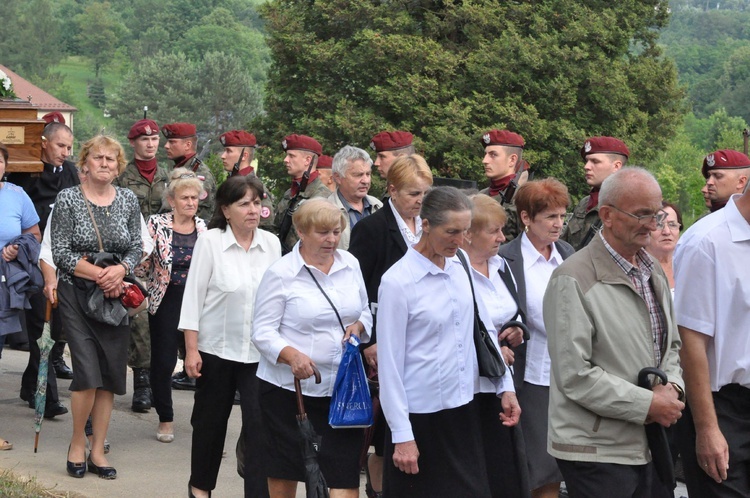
x=103, y=472
x=180, y=375
x=52, y=410
x=186, y=384
x=77, y=470
x=63, y=371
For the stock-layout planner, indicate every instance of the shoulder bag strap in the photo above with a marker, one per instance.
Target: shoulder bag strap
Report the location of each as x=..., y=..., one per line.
x=507, y=279
x=93, y=221
x=327, y=299
x=471, y=282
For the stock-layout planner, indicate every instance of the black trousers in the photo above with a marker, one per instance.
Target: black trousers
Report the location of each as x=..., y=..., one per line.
x=34, y=324
x=611, y=480
x=732, y=404
x=214, y=398
x=164, y=339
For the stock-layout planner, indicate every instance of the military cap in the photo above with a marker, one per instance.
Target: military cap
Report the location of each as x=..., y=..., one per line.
x=724, y=159
x=391, y=140
x=302, y=142
x=146, y=127
x=238, y=138
x=502, y=137
x=325, y=162
x=54, y=117
x=179, y=130
x=604, y=145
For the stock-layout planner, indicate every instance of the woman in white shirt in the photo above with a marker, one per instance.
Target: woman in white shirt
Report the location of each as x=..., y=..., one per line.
x=228, y=263
x=427, y=362
x=481, y=243
x=532, y=257
x=295, y=329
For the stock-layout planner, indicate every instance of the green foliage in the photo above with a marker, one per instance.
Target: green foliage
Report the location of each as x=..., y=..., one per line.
x=29, y=40
x=555, y=71
x=100, y=32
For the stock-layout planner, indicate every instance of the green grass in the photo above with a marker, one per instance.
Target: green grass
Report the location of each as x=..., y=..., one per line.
x=78, y=74
x=14, y=486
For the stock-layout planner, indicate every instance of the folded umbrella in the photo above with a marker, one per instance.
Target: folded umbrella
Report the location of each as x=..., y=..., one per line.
x=657, y=437
x=315, y=483
x=40, y=398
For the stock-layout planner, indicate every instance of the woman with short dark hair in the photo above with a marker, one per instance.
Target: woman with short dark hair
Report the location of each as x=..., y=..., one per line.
x=428, y=364
x=217, y=317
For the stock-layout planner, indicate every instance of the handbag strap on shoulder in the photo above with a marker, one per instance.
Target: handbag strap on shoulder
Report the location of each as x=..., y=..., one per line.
x=507, y=279
x=465, y=264
x=327, y=298
x=93, y=221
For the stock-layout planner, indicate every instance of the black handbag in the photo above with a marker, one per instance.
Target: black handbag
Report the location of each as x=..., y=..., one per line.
x=491, y=364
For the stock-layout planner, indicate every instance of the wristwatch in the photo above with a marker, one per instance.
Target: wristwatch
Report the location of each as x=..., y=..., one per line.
x=680, y=391
x=127, y=268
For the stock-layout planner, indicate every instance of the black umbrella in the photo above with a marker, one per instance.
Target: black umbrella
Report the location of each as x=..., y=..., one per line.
x=315, y=483
x=657, y=437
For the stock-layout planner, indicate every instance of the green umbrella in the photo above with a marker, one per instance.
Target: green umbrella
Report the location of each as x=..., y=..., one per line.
x=40, y=398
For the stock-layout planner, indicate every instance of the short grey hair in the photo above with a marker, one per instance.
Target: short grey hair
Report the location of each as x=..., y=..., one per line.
x=439, y=201
x=53, y=128
x=348, y=154
x=620, y=184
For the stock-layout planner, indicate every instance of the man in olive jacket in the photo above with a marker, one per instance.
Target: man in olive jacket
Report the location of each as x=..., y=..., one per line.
x=608, y=314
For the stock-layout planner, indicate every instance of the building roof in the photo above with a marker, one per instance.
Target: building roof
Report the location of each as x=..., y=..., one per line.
x=39, y=98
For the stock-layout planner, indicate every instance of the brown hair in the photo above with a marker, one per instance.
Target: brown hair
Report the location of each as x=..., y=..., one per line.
x=232, y=190
x=677, y=212
x=407, y=169
x=538, y=195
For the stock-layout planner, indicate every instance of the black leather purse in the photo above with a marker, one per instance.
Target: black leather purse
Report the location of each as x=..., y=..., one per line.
x=491, y=364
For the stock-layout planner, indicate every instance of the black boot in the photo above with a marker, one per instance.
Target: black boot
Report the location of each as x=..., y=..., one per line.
x=141, y=390
x=62, y=371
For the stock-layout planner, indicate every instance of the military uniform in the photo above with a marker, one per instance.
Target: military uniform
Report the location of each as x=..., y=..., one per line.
x=315, y=188
x=207, y=201
x=580, y=223
x=150, y=195
x=510, y=230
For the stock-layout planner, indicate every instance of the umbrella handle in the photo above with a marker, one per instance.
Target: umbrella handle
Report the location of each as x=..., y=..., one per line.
x=298, y=390
x=644, y=373
x=48, y=313
x=520, y=325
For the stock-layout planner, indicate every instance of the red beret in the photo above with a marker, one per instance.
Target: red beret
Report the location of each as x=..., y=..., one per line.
x=391, y=140
x=302, y=142
x=502, y=137
x=179, y=130
x=53, y=117
x=238, y=138
x=604, y=145
x=325, y=162
x=724, y=159
x=146, y=127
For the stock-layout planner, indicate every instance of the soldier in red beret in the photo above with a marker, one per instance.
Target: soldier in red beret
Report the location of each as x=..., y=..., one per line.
x=148, y=180
x=726, y=172
x=181, y=146
x=325, y=172
x=502, y=157
x=302, y=153
x=238, y=156
x=602, y=156
x=54, y=117
x=389, y=145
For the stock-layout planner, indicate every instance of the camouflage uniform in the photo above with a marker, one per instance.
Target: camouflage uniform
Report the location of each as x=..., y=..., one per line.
x=208, y=201
x=579, y=223
x=315, y=188
x=512, y=224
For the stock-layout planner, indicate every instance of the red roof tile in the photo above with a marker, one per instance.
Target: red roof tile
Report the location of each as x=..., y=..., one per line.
x=41, y=99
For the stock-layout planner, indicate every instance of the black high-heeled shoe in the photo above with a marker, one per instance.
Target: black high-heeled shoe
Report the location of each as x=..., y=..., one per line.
x=102, y=472
x=75, y=469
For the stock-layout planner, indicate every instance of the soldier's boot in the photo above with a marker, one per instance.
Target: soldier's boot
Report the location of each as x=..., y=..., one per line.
x=141, y=390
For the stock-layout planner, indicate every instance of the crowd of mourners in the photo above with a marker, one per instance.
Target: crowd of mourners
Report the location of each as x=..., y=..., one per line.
x=613, y=330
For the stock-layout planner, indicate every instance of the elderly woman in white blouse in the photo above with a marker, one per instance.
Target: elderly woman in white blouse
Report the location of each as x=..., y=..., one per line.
x=228, y=263
x=427, y=362
x=296, y=328
x=533, y=257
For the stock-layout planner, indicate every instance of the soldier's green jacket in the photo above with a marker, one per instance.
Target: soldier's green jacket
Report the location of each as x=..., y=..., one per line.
x=511, y=228
x=150, y=195
x=315, y=188
x=208, y=200
x=579, y=223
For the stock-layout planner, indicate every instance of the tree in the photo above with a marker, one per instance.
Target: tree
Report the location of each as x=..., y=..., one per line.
x=29, y=39
x=215, y=93
x=100, y=32
x=555, y=71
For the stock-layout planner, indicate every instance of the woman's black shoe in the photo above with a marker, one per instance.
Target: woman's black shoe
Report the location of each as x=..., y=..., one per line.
x=76, y=469
x=103, y=472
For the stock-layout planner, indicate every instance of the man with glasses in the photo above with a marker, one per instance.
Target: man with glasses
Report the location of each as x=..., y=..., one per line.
x=608, y=314
x=712, y=299
x=602, y=156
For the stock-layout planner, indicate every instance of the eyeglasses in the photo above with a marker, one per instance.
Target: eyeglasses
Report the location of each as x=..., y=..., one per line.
x=672, y=225
x=645, y=219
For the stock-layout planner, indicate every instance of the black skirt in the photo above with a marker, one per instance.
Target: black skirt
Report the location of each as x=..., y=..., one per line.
x=534, y=401
x=338, y=454
x=451, y=457
x=99, y=352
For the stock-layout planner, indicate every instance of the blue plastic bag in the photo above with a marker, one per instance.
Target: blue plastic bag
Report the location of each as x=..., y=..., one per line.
x=351, y=404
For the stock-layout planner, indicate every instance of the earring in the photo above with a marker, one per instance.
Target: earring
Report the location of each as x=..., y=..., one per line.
x=526, y=229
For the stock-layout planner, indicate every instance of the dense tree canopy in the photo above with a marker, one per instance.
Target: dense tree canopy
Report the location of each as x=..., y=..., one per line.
x=556, y=71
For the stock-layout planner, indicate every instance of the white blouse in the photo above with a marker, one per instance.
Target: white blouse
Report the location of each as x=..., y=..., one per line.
x=291, y=311
x=409, y=237
x=426, y=355
x=220, y=292
x=537, y=273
